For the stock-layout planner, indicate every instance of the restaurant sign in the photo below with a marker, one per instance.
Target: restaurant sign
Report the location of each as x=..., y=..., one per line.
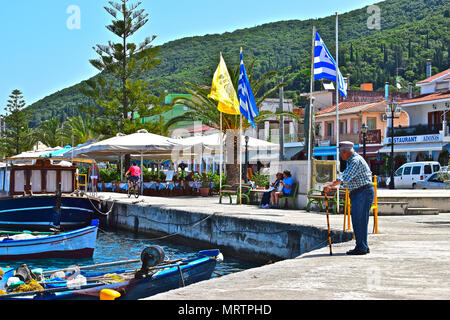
x=414, y=139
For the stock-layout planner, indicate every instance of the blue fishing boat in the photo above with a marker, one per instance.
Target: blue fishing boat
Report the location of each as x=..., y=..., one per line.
x=155, y=276
x=43, y=194
x=42, y=212
x=76, y=244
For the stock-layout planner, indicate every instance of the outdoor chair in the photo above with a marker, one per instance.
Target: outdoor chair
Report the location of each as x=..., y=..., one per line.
x=233, y=190
x=284, y=200
x=318, y=197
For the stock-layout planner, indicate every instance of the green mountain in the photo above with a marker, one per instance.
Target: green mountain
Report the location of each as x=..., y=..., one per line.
x=411, y=32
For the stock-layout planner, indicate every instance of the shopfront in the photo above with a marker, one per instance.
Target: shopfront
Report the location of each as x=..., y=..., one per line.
x=416, y=148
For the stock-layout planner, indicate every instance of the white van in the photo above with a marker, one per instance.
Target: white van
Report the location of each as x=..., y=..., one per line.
x=408, y=174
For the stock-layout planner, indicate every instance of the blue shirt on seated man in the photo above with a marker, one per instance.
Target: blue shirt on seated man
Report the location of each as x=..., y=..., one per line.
x=287, y=183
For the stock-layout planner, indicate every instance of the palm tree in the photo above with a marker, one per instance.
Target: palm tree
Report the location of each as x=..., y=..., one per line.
x=202, y=108
x=79, y=129
x=49, y=132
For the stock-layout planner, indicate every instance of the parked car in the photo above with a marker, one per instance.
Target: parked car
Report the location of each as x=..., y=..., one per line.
x=409, y=174
x=435, y=181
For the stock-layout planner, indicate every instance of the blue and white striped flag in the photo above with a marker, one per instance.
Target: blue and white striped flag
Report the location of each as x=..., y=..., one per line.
x=325, y=65
x=247, y=104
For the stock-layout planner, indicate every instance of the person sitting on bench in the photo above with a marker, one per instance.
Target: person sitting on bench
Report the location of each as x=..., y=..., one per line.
x=265, y=201
x=287, y=183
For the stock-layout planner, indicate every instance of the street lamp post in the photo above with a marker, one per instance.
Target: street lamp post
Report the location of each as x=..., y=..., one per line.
x=392, y=109
x=364, y=132
x=246, y=160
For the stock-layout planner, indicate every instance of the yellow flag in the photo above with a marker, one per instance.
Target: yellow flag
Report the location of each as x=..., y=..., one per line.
x=223, y=91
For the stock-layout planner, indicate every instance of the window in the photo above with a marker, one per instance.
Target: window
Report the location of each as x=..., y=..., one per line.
x=416, y=170
x=355, y=125
x=436, y=167
x=427, y=169
x=371, y=123
x=329, y=129
x=399, y=172
x=434, y=178
x=407, y=171
x=342, y=127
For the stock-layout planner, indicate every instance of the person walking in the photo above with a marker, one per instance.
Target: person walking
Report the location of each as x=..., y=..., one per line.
x=94, y=175
x=357, y=177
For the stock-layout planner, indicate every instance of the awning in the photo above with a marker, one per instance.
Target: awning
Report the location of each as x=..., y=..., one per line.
x=292, y=148
x=324, y=151
x=329, y=151
x=413, y=147
x=370, y=150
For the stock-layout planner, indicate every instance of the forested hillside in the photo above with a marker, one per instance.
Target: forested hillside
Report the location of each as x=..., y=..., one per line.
x=411, y=32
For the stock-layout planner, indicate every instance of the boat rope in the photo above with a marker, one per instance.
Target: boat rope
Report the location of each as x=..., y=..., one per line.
x=178, y=232
x=103, y=213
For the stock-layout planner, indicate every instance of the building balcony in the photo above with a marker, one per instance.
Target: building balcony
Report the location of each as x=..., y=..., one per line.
x=372, y=137
x=417, y=130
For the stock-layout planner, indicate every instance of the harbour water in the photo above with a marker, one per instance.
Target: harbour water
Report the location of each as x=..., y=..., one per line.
x=122, y=245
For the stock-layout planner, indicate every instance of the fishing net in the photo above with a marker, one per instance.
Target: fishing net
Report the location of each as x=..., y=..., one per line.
x=112, y=277
x=33, y=285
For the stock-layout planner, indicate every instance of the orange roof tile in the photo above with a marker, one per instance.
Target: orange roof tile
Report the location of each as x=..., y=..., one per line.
x=349, y=105
x=436, y=76
x=428, y=97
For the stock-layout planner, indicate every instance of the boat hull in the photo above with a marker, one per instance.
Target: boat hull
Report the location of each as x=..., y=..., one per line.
x=188, y=272
x=143, y=288
x=40, y=212
x=73, y=244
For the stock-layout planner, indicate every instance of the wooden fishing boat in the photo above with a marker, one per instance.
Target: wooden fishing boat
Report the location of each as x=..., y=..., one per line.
x=78, y=243
x=41, y=195
x=155, y=276
x=43, y=212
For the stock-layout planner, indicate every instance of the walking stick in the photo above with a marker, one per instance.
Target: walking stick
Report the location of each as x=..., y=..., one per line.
x=328, y=222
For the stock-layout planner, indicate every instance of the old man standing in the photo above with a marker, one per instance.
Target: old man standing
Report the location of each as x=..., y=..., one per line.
x=357, y=177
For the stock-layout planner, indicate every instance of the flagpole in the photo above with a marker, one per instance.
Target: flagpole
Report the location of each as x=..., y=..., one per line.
x=337, y=105
x=310, y=111
x=240, y=154
x=221, y=154
x=240, y=160
x=221, y=146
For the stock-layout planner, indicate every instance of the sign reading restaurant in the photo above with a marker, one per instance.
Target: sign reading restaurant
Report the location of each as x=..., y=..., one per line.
x=415, y=139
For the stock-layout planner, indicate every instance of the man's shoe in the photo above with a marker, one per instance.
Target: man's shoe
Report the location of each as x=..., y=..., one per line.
x=355, y=252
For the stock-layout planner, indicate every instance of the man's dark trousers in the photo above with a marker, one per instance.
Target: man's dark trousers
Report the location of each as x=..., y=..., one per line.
x=361, y=203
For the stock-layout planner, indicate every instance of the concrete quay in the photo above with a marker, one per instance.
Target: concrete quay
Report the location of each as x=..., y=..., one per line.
x=409, y=259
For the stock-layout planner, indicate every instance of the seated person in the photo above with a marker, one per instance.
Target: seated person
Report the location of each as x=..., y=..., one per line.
x=189, y=177
x=265, y=201
x=287, y=184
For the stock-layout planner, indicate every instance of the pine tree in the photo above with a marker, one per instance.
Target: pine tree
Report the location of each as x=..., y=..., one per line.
x=124, y=62
x=16, y=121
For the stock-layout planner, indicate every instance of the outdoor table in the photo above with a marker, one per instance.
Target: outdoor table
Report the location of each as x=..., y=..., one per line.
x=256, y=195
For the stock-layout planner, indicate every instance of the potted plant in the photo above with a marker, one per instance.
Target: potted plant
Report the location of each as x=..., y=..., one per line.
x=205, y=186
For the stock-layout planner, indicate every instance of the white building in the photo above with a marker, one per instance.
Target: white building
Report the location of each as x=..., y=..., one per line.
x=427, y=136
x=270, y=130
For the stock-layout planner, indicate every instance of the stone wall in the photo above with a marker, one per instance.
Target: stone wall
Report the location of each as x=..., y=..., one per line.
x=248, y=238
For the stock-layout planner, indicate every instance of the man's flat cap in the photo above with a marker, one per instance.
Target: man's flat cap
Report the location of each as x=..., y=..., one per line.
x=346, y=145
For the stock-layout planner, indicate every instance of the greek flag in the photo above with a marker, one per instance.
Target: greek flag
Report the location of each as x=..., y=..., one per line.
x=247, y=104
x=325, y=66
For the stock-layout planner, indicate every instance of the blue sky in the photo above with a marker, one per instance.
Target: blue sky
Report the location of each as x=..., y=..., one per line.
x=41, y=55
